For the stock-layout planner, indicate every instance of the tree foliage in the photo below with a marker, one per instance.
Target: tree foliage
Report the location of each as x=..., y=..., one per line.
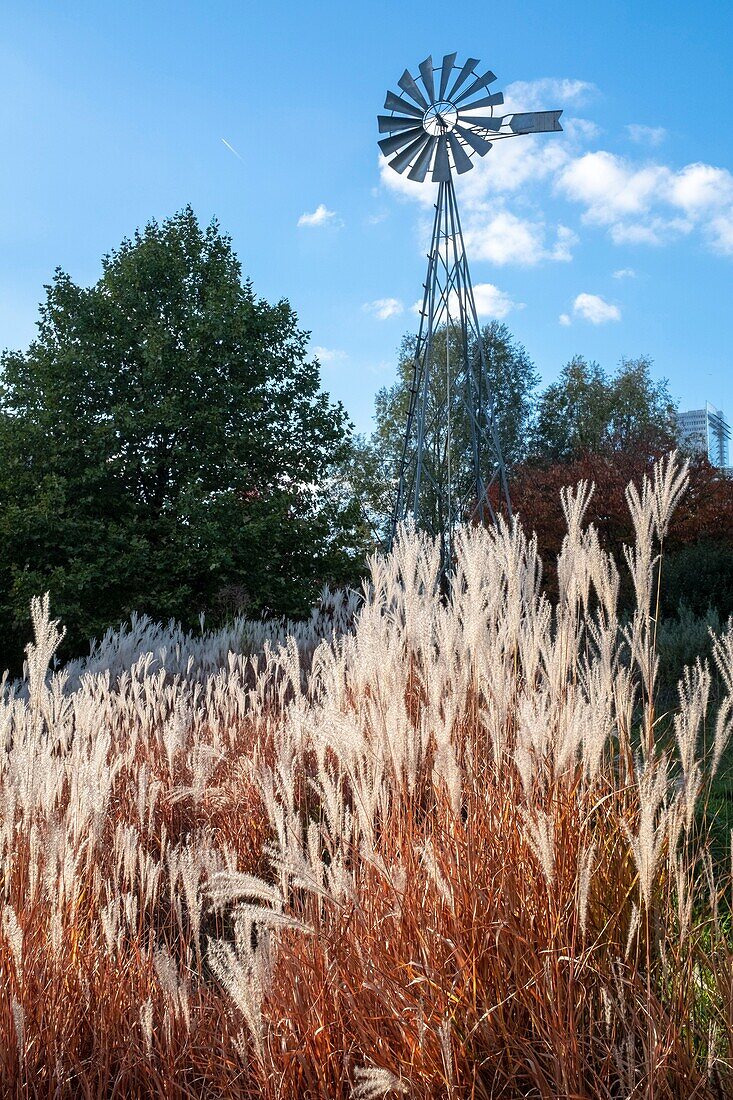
x=586, y=411
x=163, y=439
x=609, y=430
x=512, y=381
x=698, y=551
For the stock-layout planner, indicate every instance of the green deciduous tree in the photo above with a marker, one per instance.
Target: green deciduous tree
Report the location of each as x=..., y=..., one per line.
x=586, y=411
x=512, y=380
x=163, y=439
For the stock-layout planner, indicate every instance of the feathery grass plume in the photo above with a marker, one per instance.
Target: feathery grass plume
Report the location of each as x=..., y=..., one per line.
x=723, y=730
x=14, y=935
x=723, y=651
x=694, y=692
x=373, y=1084
x=246, y=975
x=18, y=1015
x=175, y=990
x=446, y=1053
x=723, y=656
x=146, y=1023
x=572, y=572
x=39, y=653
x=584, y=879
x=640, y=557
x=651, y=831
x=445, y=766
x=685, y=894
x=435, y=873
x=541, y=836
x=109, y=917
x=651, y=510
x=634, y=924
x=669, y=484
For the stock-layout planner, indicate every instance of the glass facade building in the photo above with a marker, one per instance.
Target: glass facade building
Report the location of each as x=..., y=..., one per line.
x=707, y=431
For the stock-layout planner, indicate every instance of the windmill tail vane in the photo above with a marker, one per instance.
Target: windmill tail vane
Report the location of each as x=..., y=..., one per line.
x=451, y=469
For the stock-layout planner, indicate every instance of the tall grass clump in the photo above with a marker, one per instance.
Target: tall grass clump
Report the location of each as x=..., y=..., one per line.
x=447, y=852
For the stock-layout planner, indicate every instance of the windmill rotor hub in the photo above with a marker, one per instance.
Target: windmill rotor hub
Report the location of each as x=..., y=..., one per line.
x=440, y=118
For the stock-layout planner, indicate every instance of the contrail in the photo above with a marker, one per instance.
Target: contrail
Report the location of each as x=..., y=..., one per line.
x=233, y=150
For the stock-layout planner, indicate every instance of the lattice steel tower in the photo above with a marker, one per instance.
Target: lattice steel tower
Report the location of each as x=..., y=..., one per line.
x=452, y=469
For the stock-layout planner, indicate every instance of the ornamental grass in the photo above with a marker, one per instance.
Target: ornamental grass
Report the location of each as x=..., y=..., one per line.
x=425, y=845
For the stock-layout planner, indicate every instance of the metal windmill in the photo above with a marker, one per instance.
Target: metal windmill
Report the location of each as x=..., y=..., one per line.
x=452, y=467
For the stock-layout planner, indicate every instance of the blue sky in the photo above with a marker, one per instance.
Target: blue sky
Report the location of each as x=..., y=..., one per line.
x=614, y=238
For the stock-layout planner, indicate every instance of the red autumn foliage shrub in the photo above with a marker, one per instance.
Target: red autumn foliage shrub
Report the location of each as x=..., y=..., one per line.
x=705, y=515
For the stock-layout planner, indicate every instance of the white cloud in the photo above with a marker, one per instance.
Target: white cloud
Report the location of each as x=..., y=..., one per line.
x=578, y=130
x=624, y=273
x=384, y=308
x=399, y=184
x=320, y=216
x=720, y=233
x=596, y=310
x=565, y=240
x=646, y=135
x=608, y=187
x=490, y=302
x=547, y=94
x=651, y=203
x=564, y=319
x=329, y=355
x=511, y=166
x=503, y=238
x=652, y=230
x=698, y=187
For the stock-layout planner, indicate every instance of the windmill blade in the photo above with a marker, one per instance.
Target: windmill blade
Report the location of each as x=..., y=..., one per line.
x=477, y=143
x=426, y=72
x=392, y=144
x=484, y=122
x=448, y=62
x=535, y=122
x=408, y=85
x=461, y=158
x=463, y=75
x=493, y=100
x=479, y=82
x=391, y=123
x=400, y=162
x=420, y=168
x=441, y=168
x=394, y=102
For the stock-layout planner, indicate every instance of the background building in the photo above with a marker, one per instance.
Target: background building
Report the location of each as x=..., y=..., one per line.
x=708, y=432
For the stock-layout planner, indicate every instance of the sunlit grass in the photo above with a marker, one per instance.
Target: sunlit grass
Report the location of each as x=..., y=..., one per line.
x=444, y=853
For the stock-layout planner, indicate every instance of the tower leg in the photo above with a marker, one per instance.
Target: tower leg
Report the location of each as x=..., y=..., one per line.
x=451, y=470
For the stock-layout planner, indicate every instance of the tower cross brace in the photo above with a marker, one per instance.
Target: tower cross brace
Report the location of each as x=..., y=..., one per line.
x=448, y=477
